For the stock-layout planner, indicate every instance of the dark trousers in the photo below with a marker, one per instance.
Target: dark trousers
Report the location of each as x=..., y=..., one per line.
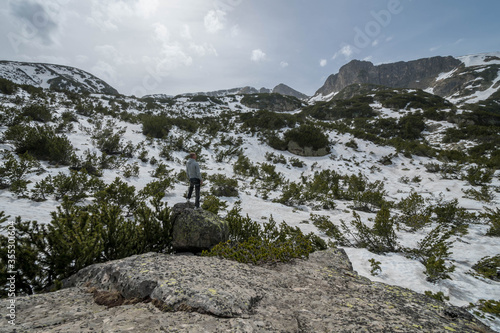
x=194, y=182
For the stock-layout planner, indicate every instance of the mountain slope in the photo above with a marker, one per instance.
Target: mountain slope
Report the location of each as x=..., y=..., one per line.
x=55, y=77
x=464, y=79
x=386, y=147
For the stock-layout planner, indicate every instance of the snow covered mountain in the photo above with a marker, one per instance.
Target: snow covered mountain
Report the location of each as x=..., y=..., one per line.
x=381, y=148
x=55, y=77
x=466, y=79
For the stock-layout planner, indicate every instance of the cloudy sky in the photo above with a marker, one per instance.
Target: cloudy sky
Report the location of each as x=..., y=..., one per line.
x=175, y=46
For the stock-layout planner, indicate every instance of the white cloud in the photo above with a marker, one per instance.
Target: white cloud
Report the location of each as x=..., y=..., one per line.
x=173, y=57
x=283, y=64
x=235, y=30
x=214, y=20
x=346, y=51
x=323, y=62
x=146, y=8
x=186, y=32
x=203, y=50
x=388, y=39
x=257, y=55
x=161, y=32
x=375, y=42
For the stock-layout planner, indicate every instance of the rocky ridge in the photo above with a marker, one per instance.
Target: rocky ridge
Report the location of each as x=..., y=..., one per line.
x=179, y=293
x=467, y=79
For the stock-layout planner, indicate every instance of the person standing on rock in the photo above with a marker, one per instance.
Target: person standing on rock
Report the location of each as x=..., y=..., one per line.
x=195, y=181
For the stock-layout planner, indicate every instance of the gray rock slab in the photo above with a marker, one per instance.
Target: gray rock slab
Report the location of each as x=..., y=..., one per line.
x=203, y=294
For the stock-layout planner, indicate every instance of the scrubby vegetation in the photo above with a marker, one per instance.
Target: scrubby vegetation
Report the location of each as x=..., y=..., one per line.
x=400, y=166
x=251, y=242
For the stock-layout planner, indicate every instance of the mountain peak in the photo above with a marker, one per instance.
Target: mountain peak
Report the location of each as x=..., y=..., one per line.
x=55, y=77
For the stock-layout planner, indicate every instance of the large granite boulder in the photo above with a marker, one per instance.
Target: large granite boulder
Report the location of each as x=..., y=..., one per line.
x=195, y=230
x=190, y=294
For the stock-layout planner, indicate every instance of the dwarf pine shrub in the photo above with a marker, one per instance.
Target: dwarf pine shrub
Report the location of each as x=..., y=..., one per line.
x=415, y=214
x=488, y=267
x=433, y=251
x=380, y=238
x=269, y=243
x=493, y=218
x=13, y=171
x=37, y=112
x=76, y=186
x=214, y=204
x=223, y=186
x=78, y=236
x=41, y=142
x=477, y=176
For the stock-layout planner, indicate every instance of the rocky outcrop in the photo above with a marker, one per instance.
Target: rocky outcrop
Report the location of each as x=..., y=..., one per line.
x=295, y=148
x=172, y=293
x=195, y=230
x=283, y=89
x=419, y=74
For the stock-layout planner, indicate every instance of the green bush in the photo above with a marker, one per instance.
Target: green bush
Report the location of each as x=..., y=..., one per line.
x=433, y=251
x=7, y=87
x=223, y=186
x=414, y=212
x=244, y=167
x=453, y=216
x=267, y=244
x=264, y=119
x=78, y=236
x=493, y=217
x=109, y=141
x=308, y=136
x=488, y=267
x=477, y=176
x=213, y=204
x=37, y=112
x=326, y=226
x=380, y=238
x=76, y=186
x=13, y=171
x=41, y=142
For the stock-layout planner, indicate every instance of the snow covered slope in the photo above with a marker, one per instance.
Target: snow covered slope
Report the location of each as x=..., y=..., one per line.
x=221, y=137
x=56, y=77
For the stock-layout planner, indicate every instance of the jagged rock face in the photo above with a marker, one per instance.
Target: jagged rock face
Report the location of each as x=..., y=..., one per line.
x=418, y=74
x=195, y=230
x=206, y=294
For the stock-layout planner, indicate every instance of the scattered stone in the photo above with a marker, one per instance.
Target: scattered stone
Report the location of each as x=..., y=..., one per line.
x=206, y=294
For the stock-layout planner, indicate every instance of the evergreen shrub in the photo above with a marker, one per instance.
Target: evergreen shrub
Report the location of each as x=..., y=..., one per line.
x=269, y=243
x=41, y=142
